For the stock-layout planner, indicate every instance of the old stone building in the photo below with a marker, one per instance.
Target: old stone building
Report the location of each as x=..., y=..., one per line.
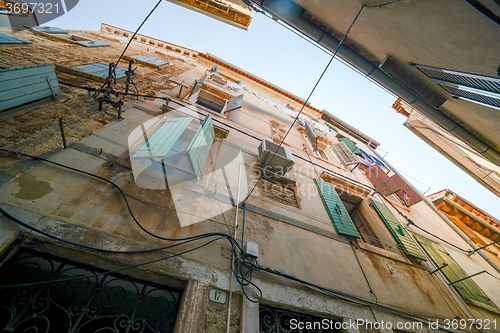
x=198, y=199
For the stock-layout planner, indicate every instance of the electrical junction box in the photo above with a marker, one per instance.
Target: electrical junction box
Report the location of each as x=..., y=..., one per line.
x=252, y=249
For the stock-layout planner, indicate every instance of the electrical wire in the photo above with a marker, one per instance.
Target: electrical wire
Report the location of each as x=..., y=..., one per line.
x=87, y=247
x=243, y=279
x=110, y=271
x=122, y=194
x=492, y=275
x=339, y=294
x=125, y=50
x=410, y=222
x=307, y=100
x=363, y=271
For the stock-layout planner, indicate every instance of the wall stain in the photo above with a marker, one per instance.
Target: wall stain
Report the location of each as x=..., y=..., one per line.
x=278, y=131
x=30, y=188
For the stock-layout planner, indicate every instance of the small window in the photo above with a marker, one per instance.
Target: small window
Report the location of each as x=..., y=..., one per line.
x=353, y=206
x=322, y=154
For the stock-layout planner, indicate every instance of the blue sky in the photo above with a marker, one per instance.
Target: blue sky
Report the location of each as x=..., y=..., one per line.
x=275, y=54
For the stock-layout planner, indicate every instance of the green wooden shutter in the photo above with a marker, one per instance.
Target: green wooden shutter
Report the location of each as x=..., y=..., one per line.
x=453, y=272
x=22, y=85
x=199, y=147
x=332, y=128
x=162, y=141
x=336, y=210
x=352, y=146
x=404, y=240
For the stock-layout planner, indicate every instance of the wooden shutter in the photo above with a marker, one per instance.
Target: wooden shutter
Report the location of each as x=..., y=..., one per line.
x=22, y=85
x=313, y=138
x=199, y=147
x=453, y=272
x=473, y=87
x=162, y=141
x=234, y=103
x=412, y=195
x=381, y=180
x=351, y=145
x=331, y=127
x=336, y=210
x=197, y=85
x=402, y=237
x=344, y=153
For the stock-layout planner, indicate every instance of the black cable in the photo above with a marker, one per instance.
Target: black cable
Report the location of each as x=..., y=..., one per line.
x=126, y=47
x=307, y=153
x=111, y=271
x=442, y=240
x=307, y=100
x=363, y=271
x=410, y=222
x=27, y=226
x=123, y=195
x=243, y=279
x=340, y=295
x=77, y=86
x=383, y=5
x=139, y=95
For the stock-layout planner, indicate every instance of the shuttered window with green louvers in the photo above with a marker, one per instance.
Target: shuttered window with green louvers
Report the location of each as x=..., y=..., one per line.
x=199, y=147
x=402, y=237
x=352, y=146
x=332, y=128
x=162, y=141
x=466, y=288
x=335, y=209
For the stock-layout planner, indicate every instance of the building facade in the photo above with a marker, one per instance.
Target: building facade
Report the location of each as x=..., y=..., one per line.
x=221, y=205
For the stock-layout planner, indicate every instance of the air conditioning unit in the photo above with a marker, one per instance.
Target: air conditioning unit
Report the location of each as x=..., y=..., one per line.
x=281, y=163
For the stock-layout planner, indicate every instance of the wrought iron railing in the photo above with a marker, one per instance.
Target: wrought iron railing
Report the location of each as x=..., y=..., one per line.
x=80, y=299
x=273, y=320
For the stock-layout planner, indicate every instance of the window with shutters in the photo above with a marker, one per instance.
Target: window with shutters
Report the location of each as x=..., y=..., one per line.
x=336, y=210
x=358, y=211
x=176, y=146
x=344, y=154
x=317, y=143
x=211, y=95
x=402, y=237
x=453, y=272
x=484, y=90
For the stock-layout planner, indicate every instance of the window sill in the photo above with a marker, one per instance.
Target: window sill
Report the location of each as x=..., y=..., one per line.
x=383, y=252
x=481, y=305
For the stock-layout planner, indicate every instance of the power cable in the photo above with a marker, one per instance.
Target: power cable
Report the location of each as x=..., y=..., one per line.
x=46, y=234
x=121, y=192
x=492, y=275
x=111, y=271
x=410, y=222
x=125, y=50
x=363, y=271
x=307, y=153
x=307, y=100
x=338, y=294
